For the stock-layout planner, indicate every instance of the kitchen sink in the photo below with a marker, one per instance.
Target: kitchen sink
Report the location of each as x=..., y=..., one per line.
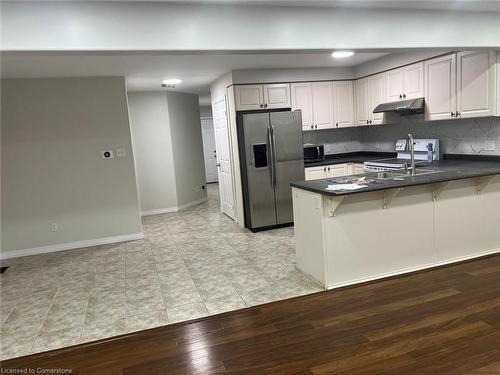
x=401, y=174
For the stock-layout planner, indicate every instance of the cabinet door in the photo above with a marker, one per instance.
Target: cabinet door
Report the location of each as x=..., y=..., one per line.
x=249, y=97
x=376, y=89
x=413, y=81
x=277, y=95
x=343, y=104
x=302, y=99
x=440, y=87
x=475, y=83
x=322, y=105
x=336, y=170
x=394, y=85
x=359, y=168
x=315, y=173
x=361, y=93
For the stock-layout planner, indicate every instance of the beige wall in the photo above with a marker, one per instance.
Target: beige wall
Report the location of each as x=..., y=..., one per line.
x=154, y=162
x=53, y=132
x=187, y=146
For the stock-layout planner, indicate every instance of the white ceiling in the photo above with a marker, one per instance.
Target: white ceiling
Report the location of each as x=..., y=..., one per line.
x=454, y=5
x=145, y=71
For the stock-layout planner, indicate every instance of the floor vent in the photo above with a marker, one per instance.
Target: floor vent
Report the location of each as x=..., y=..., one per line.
x=3, y=269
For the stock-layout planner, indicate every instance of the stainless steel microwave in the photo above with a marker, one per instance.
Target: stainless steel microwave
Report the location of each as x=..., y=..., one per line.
x=313, y=153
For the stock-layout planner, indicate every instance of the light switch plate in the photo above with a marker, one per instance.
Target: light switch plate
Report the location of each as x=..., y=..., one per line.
x=489, y=145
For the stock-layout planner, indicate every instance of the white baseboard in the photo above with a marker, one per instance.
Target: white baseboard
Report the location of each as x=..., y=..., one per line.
x=413, y=269
x=159, y=211
x=192, y=204
x=169, y=210
x=70, y=245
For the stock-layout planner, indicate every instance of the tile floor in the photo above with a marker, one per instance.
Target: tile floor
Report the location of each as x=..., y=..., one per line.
x=191, y=264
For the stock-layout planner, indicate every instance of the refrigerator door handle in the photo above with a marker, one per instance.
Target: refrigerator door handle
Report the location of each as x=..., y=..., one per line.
x=271, y=153
x=273, y=139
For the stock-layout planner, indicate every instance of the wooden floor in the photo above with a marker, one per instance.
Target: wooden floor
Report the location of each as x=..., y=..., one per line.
x=443, y=321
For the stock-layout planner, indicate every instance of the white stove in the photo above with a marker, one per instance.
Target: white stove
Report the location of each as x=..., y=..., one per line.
x=422, y=147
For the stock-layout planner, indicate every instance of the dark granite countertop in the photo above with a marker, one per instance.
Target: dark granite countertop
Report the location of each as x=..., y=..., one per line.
x=447, y=170
x=351, y=157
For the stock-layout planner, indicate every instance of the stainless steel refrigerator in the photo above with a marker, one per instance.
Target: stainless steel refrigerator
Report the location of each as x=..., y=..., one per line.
x=271, y=156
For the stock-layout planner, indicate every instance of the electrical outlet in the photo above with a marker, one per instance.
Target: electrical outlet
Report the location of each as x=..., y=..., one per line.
x=107, y=154
x=489, y=145
x=53, y=227
x=120, y=152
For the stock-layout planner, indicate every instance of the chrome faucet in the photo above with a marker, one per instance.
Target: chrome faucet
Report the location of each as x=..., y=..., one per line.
x=410, y=143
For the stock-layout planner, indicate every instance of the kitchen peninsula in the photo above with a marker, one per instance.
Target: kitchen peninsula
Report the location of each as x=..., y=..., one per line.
x=449, y=211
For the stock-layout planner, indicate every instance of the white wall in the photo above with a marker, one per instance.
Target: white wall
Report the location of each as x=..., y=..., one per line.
x=187, y=146
x=205, y=111
x=154, y=160
x=53, y=132
x=165, y=26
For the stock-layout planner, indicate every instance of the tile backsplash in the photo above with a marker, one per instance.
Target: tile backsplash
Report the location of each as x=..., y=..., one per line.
x=464, y=136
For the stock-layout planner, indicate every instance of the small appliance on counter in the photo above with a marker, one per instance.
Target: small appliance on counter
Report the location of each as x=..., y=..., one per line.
x=426, y=151
x=313, y=153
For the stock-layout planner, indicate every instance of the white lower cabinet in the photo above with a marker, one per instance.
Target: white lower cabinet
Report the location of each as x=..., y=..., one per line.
x=333, y=170
x=315, y=173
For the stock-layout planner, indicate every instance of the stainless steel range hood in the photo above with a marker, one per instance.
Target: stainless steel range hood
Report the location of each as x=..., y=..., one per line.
x=403, y=107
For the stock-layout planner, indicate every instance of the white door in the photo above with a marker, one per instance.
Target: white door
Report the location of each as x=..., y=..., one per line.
x=322, y=105
x=362, y=102
x=277, y=95
x=343, y=108
x=413, y=81
x=394, y=84
x=475, y=84
x=440, y=87
x=315, y=173
x=376, y=89
x=223, y=157
x=209, y=150
x=301, y=94
x=248, y=97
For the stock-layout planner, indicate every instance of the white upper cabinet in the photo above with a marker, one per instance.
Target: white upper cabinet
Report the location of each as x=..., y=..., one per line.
x=249, y=97
x=376, y=96
x=343, y=104
x=301, y=94
x=277, y=96
x=440, y=87
x=413, y=79
x=475, y=84
x=361, y=94
x=322, y=101
x=405, y=83
x=394, y=84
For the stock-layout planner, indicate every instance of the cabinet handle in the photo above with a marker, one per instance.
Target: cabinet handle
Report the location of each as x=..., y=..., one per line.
x=404, y=96
x=261, y=105
x=265, y=105
x=328, y=169
x=324, y=169
x=452, y=114
x=370, y=122
x=367, y=122
x=457, y=114
x=337, y=124
x=312, y=126
x=316, y=126
x=400, y=96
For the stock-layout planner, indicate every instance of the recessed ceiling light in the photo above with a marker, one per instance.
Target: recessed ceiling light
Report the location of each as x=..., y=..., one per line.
x=342, y=54
x=172, y=81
